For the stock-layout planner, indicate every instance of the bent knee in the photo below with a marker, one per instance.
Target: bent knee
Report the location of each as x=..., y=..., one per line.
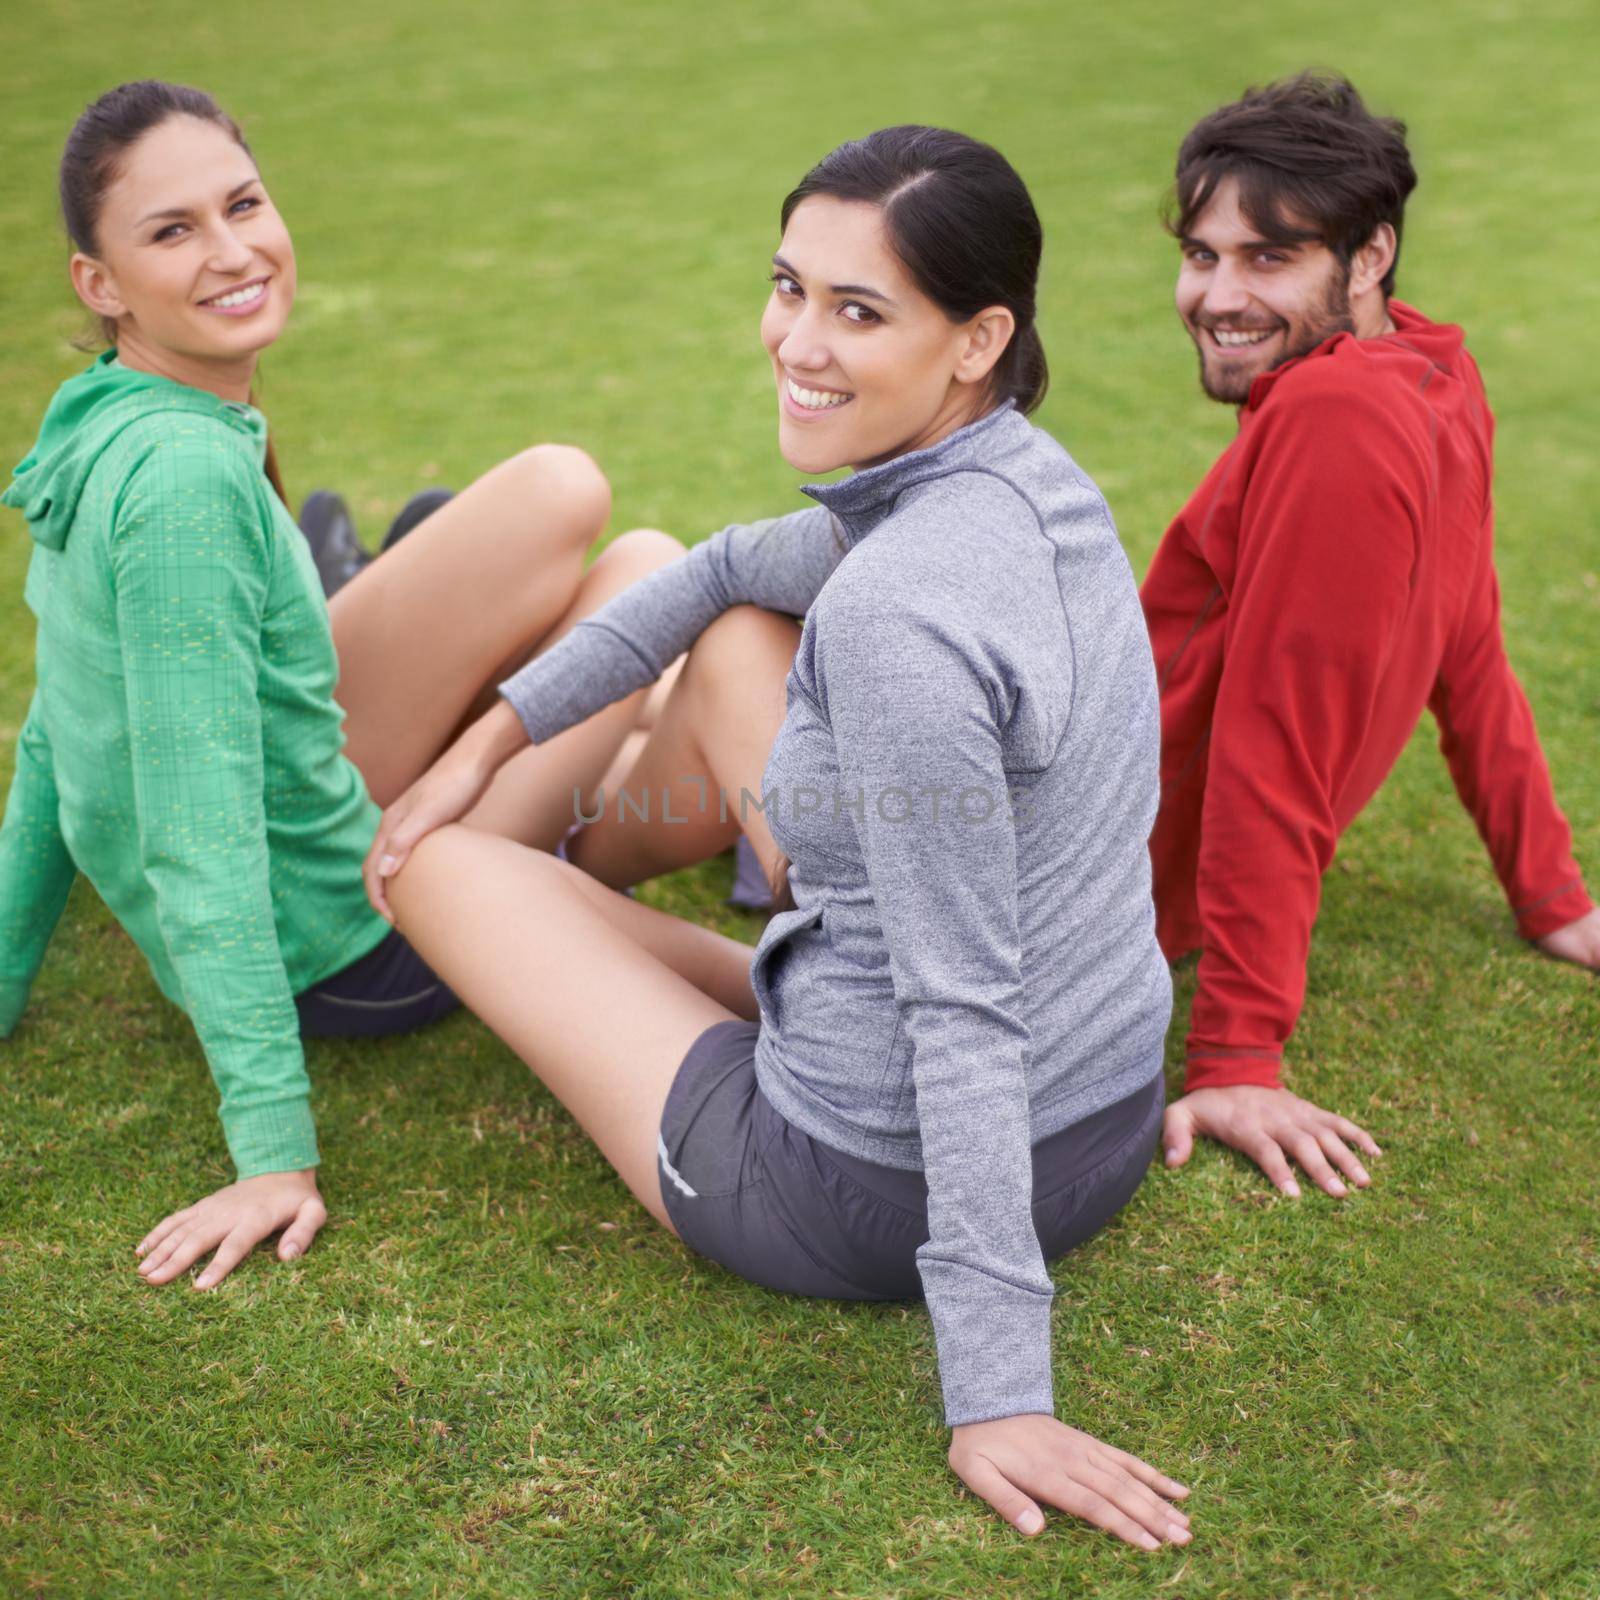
x=434, y=859
x=640, y=552
x=746, y=651
x=564, y=479
x=747, y=633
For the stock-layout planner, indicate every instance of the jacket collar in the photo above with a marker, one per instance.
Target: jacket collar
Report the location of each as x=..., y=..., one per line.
x=1437, y=342
x=864, y=499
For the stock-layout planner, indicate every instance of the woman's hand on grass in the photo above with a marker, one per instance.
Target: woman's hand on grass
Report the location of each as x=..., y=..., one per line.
x=233, y=1221
x=1578, y=942
x=1271, y=1126
x=1015, y=1463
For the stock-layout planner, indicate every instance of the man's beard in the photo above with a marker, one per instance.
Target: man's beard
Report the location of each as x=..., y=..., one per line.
x=1331, y=316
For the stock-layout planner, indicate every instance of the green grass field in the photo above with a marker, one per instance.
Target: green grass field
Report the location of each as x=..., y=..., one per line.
x=492, y=1376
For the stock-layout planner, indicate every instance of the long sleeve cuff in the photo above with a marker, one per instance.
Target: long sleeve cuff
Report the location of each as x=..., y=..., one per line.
x=1553, y=911
x=994, y=1344
x=276, y=1137
x=1223, y=1069
x=13, y=1002
x=591, y=668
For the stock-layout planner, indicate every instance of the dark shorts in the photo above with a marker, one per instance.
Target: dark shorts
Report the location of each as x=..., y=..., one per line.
x=750, y=1191
x=391, y=989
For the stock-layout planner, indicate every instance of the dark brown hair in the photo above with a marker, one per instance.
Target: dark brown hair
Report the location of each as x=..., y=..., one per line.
x=1311, y=162
x=963, y=224
x=92, y=159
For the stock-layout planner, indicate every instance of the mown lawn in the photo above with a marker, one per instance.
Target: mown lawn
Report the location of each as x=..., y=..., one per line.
x=491, y=1376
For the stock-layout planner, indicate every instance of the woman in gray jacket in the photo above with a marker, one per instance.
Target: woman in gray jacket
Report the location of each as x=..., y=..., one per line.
x=944, y=1065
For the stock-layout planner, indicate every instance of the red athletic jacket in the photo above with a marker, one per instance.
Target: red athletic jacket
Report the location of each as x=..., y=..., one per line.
x=1332, y=576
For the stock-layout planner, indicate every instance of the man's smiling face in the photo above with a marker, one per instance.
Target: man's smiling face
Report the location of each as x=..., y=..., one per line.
x=1250, y=303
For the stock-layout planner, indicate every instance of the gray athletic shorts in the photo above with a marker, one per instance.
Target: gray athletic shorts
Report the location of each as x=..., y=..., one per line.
x=750, y=1191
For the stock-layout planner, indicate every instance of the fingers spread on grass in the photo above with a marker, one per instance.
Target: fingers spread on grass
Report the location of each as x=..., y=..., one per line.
x=230, y=1253
x=1145, y=1473
x=1158, y=1504
x=1357, y=1136
x=298, y=1235
x=1306, y=1150
x=986, y=1480
x=1131, y=1497
x=1343, y=1157
x=157, y=1258
x=196, y=1241
x=161, y=1230
x=1264, y=1151
x=1082, y=1501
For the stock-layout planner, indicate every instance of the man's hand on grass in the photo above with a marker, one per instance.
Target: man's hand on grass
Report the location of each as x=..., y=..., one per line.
x=1578, y=942
x=233, y=1221
x=1016, y=1462
x=1271, y=1126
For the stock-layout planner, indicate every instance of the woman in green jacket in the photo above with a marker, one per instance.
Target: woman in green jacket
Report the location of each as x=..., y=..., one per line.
x=209, y=741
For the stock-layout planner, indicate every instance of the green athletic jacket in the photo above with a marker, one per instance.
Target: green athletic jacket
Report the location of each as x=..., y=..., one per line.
x=183, y=746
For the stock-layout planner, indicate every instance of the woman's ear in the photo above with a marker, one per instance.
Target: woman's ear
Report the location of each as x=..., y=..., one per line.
x=988, y=334
x=93, y=285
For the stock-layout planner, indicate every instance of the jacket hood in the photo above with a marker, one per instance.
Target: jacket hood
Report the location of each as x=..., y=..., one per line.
x=87, y=413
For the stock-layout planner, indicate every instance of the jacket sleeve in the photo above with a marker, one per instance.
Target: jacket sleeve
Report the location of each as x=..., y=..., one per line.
x=1487, y=734
x=780, y=565
x=1327, y=543
x=191, y=560
x=913, y=711
x=36, y=872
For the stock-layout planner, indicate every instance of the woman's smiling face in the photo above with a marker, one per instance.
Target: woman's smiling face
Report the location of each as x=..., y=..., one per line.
x=867, y=366
x=193, y=262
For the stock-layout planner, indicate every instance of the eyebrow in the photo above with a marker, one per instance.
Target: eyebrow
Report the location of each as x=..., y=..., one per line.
x=183, y=211
x=859, y=289
x=1189, y=242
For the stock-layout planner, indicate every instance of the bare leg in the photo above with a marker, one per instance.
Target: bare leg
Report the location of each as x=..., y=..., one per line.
x=656, y=700
x=542, y=954
x=717, y=726
x=420, y=633
x=632, y=749
x=633, y=746
x=532, y=798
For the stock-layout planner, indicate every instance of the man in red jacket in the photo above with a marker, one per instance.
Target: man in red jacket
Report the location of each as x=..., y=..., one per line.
x=1330, y=577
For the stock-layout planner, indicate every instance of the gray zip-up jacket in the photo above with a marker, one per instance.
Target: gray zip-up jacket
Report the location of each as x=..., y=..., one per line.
x=965, y=783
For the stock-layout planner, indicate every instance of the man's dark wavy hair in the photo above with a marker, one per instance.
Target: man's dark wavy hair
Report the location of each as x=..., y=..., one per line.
x=1312, y=164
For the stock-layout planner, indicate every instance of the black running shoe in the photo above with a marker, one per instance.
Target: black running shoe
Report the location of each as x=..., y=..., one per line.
x=330, y=530
x=418, y=508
